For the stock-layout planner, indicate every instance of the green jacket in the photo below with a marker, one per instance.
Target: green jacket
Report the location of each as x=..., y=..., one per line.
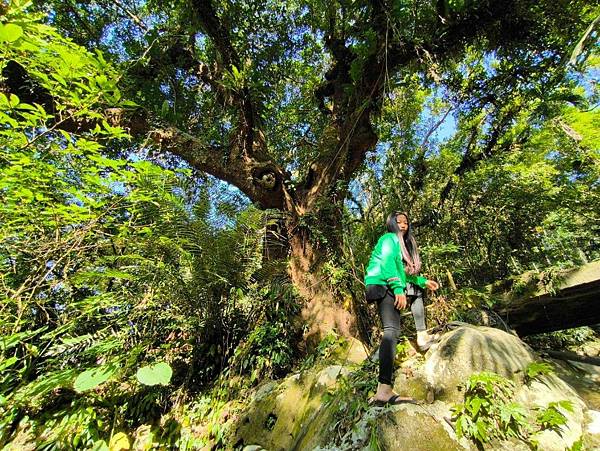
x=386, y=267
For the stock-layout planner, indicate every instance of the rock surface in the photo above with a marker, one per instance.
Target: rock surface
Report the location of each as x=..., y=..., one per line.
x=289, y=414
x=293, y=414
x=469, y=350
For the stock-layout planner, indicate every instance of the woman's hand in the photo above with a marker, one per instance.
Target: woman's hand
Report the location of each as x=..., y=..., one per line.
x=400, y=302
x=432, y=285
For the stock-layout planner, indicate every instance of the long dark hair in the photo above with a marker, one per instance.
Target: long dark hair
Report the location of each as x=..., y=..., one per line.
x=409, y=240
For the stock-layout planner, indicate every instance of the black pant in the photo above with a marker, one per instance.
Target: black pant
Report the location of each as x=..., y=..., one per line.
x=390, y=319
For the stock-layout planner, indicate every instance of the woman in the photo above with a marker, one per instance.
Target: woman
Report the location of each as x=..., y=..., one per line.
x=415, y=283
x=386, y=282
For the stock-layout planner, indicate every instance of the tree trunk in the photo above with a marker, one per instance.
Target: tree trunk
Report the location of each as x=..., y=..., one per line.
x=569, y=299
x=322, y=310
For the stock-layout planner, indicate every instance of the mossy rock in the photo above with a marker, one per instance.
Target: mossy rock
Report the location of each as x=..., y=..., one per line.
x=414, y=429
x=293, y=414
x=283, y=415
x=412, y=383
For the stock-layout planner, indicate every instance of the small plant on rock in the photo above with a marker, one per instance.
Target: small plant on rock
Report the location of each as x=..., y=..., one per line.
x=536, y=369
x=551, y=417
x=488, y=412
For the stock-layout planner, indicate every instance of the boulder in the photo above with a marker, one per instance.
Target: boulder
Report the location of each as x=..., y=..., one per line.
x=292, y=414
x=541, y=392
x=469, y=350
x=416, y=428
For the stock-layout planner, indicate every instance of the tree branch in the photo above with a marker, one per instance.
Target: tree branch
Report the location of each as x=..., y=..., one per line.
x=253, y=141
x=351, y=113
x=263, y=182
x=212, y=26
x=470, y=158
x=256, y=176
x=450, y=39
x=420, y=162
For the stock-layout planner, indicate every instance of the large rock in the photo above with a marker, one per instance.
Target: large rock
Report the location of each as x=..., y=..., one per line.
x=584, y=378
x=543, y=391
x=292, y=414
x=281, y=415
x=469, y=350
x=418, y=428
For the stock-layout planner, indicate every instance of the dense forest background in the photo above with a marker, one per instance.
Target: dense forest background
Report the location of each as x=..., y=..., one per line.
x=179, y=180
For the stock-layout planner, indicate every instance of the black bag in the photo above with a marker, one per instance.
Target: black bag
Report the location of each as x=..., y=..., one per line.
x=375, y=293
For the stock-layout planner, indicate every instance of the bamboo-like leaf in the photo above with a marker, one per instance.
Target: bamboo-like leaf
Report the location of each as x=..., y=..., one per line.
x=45, y=384
x=579, y=48
x=4, y=364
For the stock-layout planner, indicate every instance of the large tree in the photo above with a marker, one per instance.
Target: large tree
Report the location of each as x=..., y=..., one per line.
x=281, y=99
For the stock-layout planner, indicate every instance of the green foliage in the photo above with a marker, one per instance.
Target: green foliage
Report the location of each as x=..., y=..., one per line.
x=470, y=298
x=535, y=369
x=493, y=188
x=569, y=338
x=349, y=403
x=332, y=344
x=578, y=445
x=488, y=412
x=109, y=265
x=93, y=377
x=402, y=349
x=268, y=348
x=157, y=374
x=80, y=427
x=551, y=417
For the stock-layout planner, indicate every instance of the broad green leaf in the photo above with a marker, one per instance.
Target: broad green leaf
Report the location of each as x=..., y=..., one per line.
x=91, y=378
x=60, y=79
x=119, y=442
x=10, y=32
x=26, y=46
x=129, y=103
x=5, y=119
x=475, y=406
x=14, y=100
x=159, y=373
x=566, y=404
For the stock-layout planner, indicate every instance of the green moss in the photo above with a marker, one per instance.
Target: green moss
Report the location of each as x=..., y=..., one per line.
x=415, y=431
x=290, y=413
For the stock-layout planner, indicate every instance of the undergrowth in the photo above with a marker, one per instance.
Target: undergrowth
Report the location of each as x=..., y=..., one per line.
x=489, y=411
